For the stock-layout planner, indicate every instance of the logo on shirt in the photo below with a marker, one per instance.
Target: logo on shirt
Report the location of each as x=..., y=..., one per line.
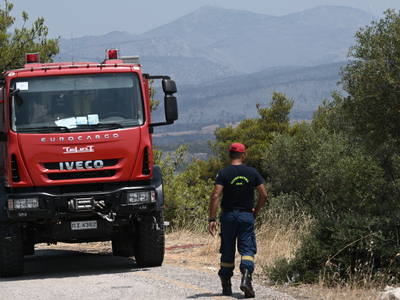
x=236, y=181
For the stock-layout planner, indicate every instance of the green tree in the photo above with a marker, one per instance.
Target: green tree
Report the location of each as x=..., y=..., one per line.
x=328, y=174
x=13, y=46
x=371, y=80
x=373, y=103
x=331, y=115
x=187, y=193
x=255, y=134
x=152, y=92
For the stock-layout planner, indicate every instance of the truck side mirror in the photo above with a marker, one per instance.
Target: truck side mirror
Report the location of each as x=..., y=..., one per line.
x=169, y=86
x=170, y=102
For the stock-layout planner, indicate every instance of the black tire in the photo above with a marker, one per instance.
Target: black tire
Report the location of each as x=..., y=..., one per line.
x=29, y=248
x=11, y=250
x=150, y=243
x=28, y=241
x=123, y=242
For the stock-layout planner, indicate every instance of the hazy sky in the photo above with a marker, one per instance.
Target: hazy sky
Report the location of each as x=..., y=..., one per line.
x=77, y=18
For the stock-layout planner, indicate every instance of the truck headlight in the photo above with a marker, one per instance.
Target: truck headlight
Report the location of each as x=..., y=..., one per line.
x=23, y=204
x=140, y=197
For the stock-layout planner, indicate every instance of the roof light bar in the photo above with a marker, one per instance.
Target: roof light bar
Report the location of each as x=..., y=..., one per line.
x=32, y=58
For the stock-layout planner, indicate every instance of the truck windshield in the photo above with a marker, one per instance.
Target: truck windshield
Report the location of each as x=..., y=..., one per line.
x=76, y=102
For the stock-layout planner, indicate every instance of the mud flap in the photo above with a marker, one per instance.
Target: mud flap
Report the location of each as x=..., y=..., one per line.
x=158, y=183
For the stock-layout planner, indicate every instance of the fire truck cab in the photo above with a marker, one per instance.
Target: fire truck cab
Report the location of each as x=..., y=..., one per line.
x=77, y=160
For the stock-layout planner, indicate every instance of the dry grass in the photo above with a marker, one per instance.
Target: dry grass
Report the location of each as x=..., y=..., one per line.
x=279, y=237
x=196, y=250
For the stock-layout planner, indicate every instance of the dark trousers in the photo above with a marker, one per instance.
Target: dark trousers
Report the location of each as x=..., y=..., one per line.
x=237, y=227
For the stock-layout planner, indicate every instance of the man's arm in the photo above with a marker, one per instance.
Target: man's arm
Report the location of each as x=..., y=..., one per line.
x=263, y=195
x=212, y=228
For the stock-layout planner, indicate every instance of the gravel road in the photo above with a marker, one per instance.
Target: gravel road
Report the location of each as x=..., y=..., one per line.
x=66, y=274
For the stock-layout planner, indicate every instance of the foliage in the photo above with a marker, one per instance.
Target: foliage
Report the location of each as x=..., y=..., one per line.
x=187, y=193
x=325, y=171
x=372, y=80
x=331, y=115
x=333, y=178
x=353, y=248
x=152, y=92
x=25, y=40
x=255, y=134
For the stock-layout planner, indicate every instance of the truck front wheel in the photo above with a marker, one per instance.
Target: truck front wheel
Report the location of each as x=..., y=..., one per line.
x=150, y=243
x=11, y=250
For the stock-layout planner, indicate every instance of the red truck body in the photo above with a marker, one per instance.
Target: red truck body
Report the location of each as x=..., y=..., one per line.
x=77, y=159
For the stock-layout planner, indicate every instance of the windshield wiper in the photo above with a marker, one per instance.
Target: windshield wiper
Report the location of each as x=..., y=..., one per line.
x=99, y=126
x=45, y=129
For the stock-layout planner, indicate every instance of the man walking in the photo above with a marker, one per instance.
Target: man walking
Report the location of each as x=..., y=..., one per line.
x=236, y=183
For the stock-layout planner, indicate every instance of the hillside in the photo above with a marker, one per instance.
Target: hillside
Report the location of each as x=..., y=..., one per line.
x=232, y=99
x=225, y=61
x=212, y=43
x=251, y=42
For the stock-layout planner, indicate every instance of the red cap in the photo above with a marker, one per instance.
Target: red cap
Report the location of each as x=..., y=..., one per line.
x=237, y=147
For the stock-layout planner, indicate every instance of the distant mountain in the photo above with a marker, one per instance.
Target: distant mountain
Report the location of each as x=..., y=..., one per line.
x=214, y=42
x=250, y=42
x=225, y=61
x=233, y=99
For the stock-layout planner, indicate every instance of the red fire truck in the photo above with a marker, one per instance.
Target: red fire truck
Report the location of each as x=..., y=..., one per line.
x=77, y=160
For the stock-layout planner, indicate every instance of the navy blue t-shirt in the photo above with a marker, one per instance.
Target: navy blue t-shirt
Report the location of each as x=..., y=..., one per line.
x=239, y=182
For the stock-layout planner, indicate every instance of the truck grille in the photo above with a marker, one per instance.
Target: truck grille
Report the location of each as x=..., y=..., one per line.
x=73, y=174
x=55, y=165
x=81, y=175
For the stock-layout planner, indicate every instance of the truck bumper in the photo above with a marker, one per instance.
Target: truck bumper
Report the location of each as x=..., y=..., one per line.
x=110, y=205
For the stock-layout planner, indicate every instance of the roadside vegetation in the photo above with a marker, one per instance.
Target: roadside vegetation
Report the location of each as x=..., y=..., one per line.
x=334, y=183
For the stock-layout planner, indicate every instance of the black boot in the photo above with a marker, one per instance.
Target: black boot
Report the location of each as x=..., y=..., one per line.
x=226, y=286
x=245, y=285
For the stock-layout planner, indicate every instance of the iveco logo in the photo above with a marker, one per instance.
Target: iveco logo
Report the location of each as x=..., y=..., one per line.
x=79, y=138
x=81, y=165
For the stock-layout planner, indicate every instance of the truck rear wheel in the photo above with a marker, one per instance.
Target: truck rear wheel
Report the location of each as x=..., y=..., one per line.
x=11, y=250
x=150, y=243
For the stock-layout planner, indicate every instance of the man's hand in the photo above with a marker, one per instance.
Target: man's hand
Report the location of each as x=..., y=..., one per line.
x=255, y=213
x=262, y=198
x=212, y=228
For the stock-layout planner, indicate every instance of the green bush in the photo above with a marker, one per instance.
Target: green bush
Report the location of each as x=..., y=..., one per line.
x=187, y=192
x=351, y=249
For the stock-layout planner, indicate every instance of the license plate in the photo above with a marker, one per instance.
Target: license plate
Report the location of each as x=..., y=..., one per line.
x=83, y=225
